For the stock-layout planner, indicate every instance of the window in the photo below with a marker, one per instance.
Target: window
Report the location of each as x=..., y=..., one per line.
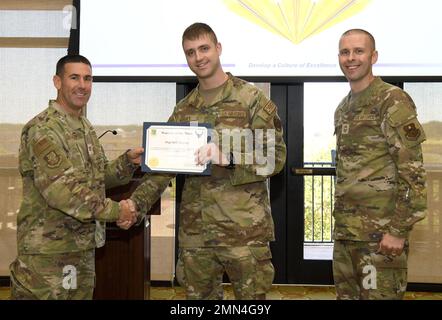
x=25, y=88
x=425, y=259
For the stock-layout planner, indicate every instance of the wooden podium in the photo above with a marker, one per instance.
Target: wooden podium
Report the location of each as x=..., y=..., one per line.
x=122, y=266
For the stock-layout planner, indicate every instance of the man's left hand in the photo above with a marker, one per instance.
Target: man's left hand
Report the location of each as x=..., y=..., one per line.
x=134, y=155
x=391, y=245
x=211, y=152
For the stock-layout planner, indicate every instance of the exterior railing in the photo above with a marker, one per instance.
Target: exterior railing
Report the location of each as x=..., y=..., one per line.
x=318, y=205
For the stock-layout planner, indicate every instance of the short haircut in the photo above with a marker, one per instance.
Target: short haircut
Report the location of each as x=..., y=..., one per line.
x=70, y=58
x=370, y=36
x=196, y=30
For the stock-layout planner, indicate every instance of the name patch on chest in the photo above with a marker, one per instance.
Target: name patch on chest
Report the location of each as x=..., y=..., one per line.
x=365, y=117
x=233, y=114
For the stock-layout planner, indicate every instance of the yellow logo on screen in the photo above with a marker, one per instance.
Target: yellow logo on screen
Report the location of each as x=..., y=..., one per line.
x=296, y=20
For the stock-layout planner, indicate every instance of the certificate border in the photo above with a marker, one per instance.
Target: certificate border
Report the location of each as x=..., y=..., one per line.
x=147, y=125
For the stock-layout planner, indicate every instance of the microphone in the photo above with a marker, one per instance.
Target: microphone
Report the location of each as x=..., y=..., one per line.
x=114, y=132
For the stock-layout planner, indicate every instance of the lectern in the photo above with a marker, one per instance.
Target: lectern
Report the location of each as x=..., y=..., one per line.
x=122, y=266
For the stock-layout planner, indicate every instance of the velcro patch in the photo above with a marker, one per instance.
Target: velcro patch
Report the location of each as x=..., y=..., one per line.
x=233, y=114
x=411, y=132
x=269, y=107
x=41, y=145
x=366, y=117
x=397, y=116
x=53, y=159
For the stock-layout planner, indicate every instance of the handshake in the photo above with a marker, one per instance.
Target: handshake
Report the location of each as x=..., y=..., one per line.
x=128, y=214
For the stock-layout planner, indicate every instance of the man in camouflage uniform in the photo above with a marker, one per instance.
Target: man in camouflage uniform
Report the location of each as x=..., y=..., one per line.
x=65, y=172
x=225, y=218
x=380, y=189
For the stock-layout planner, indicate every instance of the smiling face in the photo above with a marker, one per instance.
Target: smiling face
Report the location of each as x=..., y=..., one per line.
x=356, y=58
x=202, y=55
x=74, y=87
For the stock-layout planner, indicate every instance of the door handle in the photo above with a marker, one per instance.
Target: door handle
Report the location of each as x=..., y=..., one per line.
x=306, y=171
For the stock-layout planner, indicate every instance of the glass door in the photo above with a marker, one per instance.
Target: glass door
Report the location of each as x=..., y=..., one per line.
x=312, y=179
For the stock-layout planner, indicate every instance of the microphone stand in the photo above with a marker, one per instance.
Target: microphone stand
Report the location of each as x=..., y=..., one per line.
x=114, y=132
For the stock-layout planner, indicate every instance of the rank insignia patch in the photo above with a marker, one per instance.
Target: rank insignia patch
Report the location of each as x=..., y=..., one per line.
x=52, y=159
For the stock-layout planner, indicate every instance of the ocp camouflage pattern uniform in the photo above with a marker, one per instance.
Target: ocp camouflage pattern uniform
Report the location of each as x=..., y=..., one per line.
x=225, y=219
x=381, y=188
x=64, y=172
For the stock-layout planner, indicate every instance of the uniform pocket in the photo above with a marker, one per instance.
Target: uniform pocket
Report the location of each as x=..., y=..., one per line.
x=265, y=272
x=244, y=207
x=389, y=276
x=381, y=261
x=261, y=253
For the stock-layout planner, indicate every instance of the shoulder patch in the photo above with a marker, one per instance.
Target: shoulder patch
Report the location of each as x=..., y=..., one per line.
x=53, y=159
x=411, y=132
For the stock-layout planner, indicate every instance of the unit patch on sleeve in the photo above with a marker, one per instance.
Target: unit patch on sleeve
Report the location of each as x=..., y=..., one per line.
x=411, y=132
x=52, y=159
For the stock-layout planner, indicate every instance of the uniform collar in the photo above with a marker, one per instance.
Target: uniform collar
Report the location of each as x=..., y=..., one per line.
x=197, y=101
x=73, y=122
x=365, y=96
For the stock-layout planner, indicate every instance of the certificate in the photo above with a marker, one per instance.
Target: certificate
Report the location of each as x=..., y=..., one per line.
x=170, y=147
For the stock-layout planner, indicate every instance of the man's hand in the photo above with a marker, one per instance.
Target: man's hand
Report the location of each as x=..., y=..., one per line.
x=210, y=152
x=134, y=155
x=128, y=214
x=391, y=245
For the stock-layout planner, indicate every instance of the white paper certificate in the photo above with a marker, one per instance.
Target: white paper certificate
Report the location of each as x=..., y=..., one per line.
x=171, y=147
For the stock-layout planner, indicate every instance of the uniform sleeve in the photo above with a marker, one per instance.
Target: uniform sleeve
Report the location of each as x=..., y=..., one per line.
x=119, y=171
x=149, y=191
x=404, y=136
x=267, y=155
x=63, y=186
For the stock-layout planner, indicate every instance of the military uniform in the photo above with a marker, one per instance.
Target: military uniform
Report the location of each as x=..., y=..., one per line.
x=381, y=185
x=231, y=207
x=64, y=172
